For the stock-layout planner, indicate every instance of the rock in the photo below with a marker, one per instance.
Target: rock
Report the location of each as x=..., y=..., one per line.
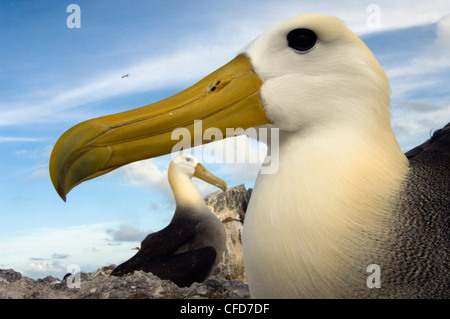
x=138, y=285
x=9, y=275
x=230, y=207
x=49, y=280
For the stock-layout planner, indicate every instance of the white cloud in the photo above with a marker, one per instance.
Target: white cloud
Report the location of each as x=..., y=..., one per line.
x=393, y=14
x=148, y=175
x=416, y=127
x=35, y=153
x=242, y=157
x=19, y=139
x=39, y=253
x=443, y=33
x=420, y=94
x=44, y=269
x=425, y=71
x=38, y=174
x=127, y=233
x=59, y=256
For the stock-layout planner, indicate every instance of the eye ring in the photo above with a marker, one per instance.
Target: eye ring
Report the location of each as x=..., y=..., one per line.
x=301, y=39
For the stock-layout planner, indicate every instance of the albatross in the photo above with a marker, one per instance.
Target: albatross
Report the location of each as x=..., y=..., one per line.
x=345, y=197
x=191, y=246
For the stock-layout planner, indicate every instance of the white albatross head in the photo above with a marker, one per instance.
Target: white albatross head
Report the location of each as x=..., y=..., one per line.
x=312, y=67
x=188, y=166
x=181, y=170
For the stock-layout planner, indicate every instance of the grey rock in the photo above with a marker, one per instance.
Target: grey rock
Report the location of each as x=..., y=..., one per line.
x=9, y=275
x=138, y=285
x=230, y=207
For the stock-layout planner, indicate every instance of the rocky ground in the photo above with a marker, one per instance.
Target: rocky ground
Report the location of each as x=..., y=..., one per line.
x=99, y=285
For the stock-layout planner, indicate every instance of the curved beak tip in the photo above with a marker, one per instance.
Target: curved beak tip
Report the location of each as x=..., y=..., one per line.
x=202, y=173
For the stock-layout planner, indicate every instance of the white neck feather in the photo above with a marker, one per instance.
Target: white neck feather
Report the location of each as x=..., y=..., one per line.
x=184, y=191
x=334, y=189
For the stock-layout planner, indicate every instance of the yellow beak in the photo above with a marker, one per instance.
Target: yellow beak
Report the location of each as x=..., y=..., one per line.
x=227, y=98
x=205, y=175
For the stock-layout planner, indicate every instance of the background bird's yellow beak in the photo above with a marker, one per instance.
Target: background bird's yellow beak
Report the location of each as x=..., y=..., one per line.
x=205, y=175
x=227, y=98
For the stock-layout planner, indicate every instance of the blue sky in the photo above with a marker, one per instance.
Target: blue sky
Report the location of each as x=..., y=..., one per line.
x=53, y=77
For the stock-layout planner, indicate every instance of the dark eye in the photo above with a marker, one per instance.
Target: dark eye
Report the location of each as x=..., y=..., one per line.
x=301, y=39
